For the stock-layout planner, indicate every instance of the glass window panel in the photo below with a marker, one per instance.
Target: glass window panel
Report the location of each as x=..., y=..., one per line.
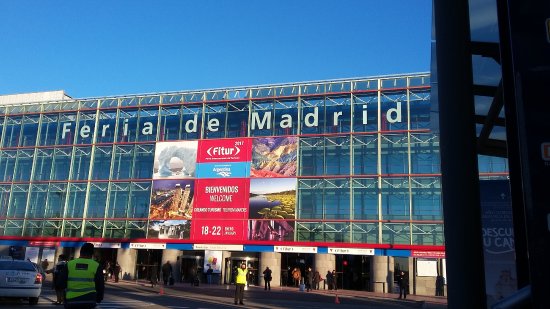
x=170, y=123
x=5, y=191
x=37, y=202
x=237, y=119
x=18, y=202
x=43, y=164
x=365, y=155
x=119, y=200
x=136, y=229
x=86, y=128
x=309, y=231
x=106, y=127
x=66, y=130
x=93, y=229
x=76, y=202
x=102, y=162
x=338, y=114
x=393, y=109
x=428, y=235
x=72, y=229
x=262, y=122
x=191, y=122
x=337, y=199
x=143, y=161
x=337, y=232
x=365, y=199
x=57, y=196
x=23, y=166
x=337, y=156
x=52, y=228
x=81, y=163
x=97, y=200
x=394, y=154
x=215, y=121
x=310, y=202
x=122, y=168
x=61, y=163
x=311, y=156
x=14, y=228
x=312, y=116
x=286, y=114
x=395, y=199
x=33, y=228
x=425, y=154
x=366, y=233
x=115, y=229
x=12, y=133
x=7, y=164
x=29, y=130
x=139, y=200
x=147, y=126
x=396, y=233
x=127, y=125
x=426, y=198
x=365, y=112
x=420, y=105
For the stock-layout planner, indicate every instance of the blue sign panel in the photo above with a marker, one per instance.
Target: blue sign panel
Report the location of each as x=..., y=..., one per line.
x=223, y=170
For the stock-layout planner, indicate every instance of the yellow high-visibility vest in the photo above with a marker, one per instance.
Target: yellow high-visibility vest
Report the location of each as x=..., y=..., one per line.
x=241, y=275
x=81, y=277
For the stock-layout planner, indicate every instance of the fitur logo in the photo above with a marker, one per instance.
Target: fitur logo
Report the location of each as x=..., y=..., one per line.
x=223, y=151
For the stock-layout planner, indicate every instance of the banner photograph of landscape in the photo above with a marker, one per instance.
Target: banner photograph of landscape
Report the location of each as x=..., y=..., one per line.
x=274, y=157
x=272, y=209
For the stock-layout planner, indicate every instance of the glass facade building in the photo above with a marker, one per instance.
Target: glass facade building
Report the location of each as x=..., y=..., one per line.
x=367, y=163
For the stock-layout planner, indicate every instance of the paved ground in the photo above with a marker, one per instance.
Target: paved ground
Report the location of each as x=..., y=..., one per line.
x=139, y=294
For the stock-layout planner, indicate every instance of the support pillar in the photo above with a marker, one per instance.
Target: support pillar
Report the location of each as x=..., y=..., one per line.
x=323, y=264
x=172, y=256
x=273, y=261
x=381, y=280
x=127, y=259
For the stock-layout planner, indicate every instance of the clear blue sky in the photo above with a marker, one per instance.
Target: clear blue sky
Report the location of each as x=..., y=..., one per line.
x=102, y=48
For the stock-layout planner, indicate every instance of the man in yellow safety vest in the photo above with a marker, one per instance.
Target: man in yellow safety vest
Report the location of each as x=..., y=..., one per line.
x=240, y=283
x=84, y=280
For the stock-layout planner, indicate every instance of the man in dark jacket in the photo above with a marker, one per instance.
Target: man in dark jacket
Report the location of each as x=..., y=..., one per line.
x=83, y=280
x=166, y=272
x=403, y=283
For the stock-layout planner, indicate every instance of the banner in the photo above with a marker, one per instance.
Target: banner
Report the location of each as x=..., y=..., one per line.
x=221, y=209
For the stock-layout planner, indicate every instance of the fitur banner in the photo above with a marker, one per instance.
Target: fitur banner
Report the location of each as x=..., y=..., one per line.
x=225, y=189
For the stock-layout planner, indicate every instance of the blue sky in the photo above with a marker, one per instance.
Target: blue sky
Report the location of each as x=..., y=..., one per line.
x=102, y=48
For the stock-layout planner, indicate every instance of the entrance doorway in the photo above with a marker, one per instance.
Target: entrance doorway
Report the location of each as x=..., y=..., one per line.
x=353, y=272
x=148, y=263
x=290, y=261
x=231, y=265
x=192, y=267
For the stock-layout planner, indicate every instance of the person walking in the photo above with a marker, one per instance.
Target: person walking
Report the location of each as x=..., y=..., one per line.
x=240, y=282
x=330, y=280
x=309, y=279
x=83, y=280
x=316, y=280
x=166, y=272
x=116, y=271
x=58, y=285
x=209, y=273
x=402, y=280
x=154, y=275
x=267, y=278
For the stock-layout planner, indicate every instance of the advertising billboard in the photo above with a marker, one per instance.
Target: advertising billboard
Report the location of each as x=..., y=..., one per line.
x=225, y=190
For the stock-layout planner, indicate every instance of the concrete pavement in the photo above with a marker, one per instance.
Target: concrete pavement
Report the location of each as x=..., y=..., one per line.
x=257, y=294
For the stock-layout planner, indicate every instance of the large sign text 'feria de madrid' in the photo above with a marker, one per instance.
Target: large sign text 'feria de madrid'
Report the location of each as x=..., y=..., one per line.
x=258, y=121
